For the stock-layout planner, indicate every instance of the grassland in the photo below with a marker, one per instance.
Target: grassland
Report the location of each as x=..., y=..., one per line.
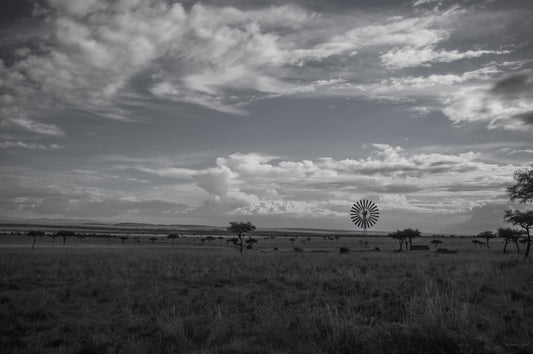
x=99, y=296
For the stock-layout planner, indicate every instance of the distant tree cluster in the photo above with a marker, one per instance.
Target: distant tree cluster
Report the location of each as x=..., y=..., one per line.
x=405, y=237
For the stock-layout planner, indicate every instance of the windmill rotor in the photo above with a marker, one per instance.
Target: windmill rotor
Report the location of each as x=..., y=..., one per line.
x=364, y=214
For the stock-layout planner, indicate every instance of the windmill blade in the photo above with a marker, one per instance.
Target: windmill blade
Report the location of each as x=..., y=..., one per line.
x=364, y=213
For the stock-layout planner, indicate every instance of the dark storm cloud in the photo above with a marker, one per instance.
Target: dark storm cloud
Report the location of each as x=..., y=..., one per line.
x=481, y=218
x=517, y=85
x=526, y=117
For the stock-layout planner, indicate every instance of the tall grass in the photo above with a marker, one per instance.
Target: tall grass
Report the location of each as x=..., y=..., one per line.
x=174, y=301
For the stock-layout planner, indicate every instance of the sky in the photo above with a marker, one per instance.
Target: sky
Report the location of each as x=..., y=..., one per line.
x=282, y=113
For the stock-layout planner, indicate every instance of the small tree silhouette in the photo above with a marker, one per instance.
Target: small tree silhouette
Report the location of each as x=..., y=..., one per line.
x=410, y=234
x=523, y=192
x=208, y=239
x=478, y=243
x=435, y=243
x=123, y=239
x=173, y=237
x=487, y=235
x=65, y=234
x=509, y=235
x=525, y=220
x=523, y=189
x=240, y=229
x=405, y=237
x=398, y=236
x=35, y=234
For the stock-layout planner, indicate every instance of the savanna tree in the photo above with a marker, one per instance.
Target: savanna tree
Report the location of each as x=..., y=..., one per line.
x=525, y=220
x=35, y=234
x=522, y=191
x=240, y=229
x=65, y=234
x=173, y=237
x=400, y=237
x=487, y=235
x=405, y=237
x=435, y=243
x=509, y=235
x=523, y=188
x=410, y=234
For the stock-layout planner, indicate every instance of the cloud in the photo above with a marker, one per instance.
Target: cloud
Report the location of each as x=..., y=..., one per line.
x=411, y=57
x=513, y=151
x=405, y=185
x=30, y=146
x=101, y=57
x=36, y=127
x=506, y=105
x=93, y=52
x=258, y=184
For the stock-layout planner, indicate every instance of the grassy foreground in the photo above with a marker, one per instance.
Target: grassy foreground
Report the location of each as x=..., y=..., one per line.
x=171, y=300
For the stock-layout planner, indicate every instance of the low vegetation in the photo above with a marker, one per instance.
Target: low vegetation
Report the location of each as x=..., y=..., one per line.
x=209, y=300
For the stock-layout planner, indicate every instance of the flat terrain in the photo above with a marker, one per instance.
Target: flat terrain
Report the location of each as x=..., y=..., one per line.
x=97, y=295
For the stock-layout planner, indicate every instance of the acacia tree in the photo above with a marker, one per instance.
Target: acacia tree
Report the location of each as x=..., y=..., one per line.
x=173, y=237
x=65, y=234
x=410, y=234
x=487, y=235
x=405, y=237
x=400, y=237
x=525, y=220
x=240, y=229
x=522, y=191
x=435, y=243
x=35, y=234
x=509, y=235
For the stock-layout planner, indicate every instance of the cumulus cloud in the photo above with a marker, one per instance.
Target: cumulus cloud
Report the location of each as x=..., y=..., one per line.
x=254, y=185
x=257, y=184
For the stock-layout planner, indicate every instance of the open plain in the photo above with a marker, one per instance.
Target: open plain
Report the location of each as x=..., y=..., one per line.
x=98, y=295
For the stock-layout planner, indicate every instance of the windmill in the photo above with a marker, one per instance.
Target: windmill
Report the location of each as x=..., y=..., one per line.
x=364, y=214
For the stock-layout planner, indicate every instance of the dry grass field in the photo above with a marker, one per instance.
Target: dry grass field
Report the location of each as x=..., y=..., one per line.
x=100, y=296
